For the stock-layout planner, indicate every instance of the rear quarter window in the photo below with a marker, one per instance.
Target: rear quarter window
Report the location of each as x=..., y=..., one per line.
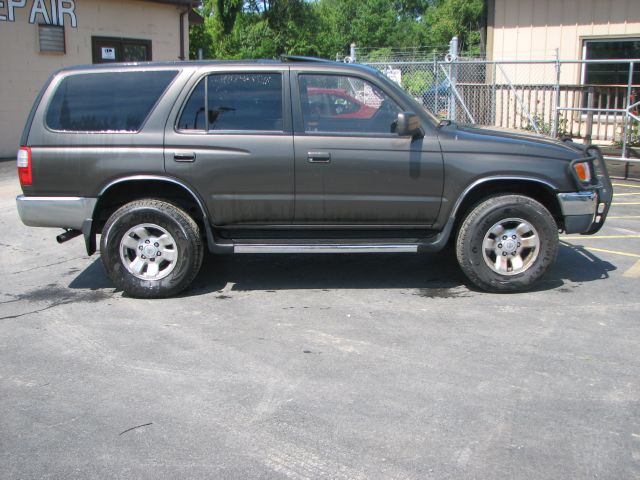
x=106, y=102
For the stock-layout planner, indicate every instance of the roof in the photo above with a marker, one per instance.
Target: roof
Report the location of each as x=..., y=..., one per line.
x=186, y=3
x=194, y=17
x=202, y=63
x=307, y=61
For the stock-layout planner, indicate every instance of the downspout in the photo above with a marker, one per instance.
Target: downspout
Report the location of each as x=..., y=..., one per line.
x=182, y=15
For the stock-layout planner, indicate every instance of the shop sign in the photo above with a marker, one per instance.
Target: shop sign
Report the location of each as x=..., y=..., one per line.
x=108, y=53
x=48, y=12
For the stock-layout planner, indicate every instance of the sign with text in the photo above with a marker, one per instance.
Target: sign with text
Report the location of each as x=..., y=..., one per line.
x=108, y=53
x=48, y=12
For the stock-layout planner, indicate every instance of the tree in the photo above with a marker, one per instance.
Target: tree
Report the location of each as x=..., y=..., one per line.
x=269, y=28
x=462, y=18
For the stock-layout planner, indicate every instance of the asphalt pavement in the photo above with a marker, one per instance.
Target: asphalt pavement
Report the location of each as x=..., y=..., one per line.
x=329, y=366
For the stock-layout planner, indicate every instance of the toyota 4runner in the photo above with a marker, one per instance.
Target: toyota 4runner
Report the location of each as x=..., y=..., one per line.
x=299, y=155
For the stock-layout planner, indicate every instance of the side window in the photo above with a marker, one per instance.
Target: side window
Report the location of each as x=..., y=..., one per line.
x=343, y=104
x=193, y=116
x=235, y=101
x=106, y=102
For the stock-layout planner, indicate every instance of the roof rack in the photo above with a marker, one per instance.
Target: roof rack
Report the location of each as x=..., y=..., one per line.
x=300, y=58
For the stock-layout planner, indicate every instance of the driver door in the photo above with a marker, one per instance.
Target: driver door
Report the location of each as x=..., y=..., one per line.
x=350, y=168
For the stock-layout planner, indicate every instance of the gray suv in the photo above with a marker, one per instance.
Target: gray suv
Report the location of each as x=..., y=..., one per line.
x=299, y=155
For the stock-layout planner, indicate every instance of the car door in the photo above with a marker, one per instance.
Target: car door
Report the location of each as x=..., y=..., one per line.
x=351, y=169
x=232, y=141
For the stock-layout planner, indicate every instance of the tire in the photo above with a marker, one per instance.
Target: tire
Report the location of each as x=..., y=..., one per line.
x=507, y=243
x=151, y=249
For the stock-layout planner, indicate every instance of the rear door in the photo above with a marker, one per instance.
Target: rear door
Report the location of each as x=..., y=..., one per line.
x=231, y=139
x=351, y=169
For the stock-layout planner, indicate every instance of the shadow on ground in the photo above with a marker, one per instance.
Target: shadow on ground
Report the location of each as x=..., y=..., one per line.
x=430, y=274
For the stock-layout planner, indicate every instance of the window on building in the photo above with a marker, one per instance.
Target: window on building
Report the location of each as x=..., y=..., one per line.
x=235, y=101
x=51, y=38
x=610, y=73
x=106, y=102
x=111, y=50
x=342, y=104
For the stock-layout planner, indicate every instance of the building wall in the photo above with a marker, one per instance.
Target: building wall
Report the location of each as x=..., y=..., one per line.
x=533, y=29
x=23, y=69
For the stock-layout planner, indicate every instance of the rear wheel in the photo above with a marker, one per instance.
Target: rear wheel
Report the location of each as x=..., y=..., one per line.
x=507, y=243
x=151, y=249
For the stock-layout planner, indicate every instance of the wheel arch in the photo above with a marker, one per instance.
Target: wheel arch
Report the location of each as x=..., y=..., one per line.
x=540, y=190
x=127, y=189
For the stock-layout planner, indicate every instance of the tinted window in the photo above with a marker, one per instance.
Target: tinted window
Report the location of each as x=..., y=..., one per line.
x=236, y=101
x=99, y=102
x=193, y=117
x=341, y=104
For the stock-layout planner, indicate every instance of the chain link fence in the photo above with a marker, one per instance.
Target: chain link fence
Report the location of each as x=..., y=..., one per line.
x=548, y=97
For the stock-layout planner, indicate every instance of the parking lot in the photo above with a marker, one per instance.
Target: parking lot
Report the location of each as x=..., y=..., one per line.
x=335, y=366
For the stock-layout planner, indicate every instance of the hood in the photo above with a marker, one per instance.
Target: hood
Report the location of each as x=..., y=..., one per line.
x=509, y=141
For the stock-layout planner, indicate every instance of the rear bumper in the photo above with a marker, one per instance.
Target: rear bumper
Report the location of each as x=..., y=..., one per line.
x=62, y=212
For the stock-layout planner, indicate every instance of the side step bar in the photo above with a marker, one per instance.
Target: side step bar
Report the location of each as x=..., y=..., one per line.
x=325, y=248
x=414, y=245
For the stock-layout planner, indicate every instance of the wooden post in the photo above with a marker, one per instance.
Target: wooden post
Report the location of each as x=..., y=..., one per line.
x=590, y=102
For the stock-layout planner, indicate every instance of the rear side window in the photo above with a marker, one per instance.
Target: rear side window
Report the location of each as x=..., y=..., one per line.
x=235, y=101
x=106, y=102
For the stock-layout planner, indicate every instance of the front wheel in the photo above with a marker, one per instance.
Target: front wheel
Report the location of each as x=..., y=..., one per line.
x=151, y=249
x=507, y=243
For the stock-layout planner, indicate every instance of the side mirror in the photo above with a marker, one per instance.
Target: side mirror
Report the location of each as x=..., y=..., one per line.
x=408, y=124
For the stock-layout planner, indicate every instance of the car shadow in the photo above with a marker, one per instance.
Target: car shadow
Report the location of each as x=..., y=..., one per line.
x=433, y=275
x=575, y=264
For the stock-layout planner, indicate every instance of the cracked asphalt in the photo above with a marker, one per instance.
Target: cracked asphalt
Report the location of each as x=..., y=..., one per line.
x=328, y=367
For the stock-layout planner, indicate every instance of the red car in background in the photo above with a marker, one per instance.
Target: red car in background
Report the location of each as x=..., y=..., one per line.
x=337, y=103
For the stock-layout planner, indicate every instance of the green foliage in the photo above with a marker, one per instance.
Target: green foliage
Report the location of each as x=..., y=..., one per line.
x=269, y=28
x=546, y=128
x=463, y=18
x=416, y=83
x=633, y=135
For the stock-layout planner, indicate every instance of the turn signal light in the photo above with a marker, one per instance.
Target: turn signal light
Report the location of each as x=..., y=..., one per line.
x=24, y=166
x=582, y=171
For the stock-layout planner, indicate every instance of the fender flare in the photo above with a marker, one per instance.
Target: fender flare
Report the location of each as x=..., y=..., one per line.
x=89, y=230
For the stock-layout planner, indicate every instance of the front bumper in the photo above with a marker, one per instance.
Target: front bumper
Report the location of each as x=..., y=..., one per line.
x=63, y=212
x=579, y=210
x=586, y=210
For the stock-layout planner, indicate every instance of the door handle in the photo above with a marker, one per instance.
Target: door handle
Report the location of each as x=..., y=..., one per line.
x=319, y=157
x=184, y=156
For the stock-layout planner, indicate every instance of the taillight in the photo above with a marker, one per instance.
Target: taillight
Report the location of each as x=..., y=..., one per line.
x=583, y=171
x=24, y=166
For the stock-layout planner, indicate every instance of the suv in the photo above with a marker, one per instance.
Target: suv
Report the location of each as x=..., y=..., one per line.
x=162, y=159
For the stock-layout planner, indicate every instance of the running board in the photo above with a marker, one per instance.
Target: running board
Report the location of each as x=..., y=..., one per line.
x=308, y=245
x=325, y=248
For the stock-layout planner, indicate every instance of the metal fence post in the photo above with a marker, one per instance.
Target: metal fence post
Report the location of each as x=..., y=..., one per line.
x=625, y=132
x=436, y=83
x=453, y=74
x=556, y=99
x=493, y=94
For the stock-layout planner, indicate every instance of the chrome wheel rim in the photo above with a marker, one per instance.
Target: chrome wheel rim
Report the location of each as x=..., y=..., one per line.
x=148, y=252
x=511, y=246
